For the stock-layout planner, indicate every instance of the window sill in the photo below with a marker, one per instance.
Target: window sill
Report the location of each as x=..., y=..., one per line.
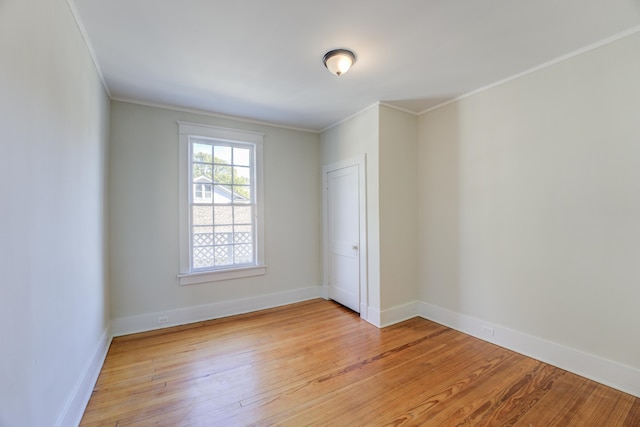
x=214, y=276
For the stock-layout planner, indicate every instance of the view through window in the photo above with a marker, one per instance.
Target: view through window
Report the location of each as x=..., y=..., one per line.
x=223, y=204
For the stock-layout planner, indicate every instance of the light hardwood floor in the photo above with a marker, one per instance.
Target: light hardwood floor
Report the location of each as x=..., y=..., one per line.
x=317, y=363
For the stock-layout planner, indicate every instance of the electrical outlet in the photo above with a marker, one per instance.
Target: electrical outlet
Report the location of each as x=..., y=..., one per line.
x=487, y=330
x=163, y=319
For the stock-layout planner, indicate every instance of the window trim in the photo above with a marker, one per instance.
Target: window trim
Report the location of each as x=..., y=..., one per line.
x=185, y=130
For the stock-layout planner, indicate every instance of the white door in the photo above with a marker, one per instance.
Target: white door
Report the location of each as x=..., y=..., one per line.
x=343, y=223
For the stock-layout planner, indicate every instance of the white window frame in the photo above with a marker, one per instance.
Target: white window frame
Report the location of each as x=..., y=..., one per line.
x=187, y=275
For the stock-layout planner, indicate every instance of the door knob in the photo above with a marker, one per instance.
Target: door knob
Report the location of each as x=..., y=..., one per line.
x=354, y=247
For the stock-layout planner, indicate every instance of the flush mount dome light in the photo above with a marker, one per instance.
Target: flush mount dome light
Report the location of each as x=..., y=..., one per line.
x=339, y=61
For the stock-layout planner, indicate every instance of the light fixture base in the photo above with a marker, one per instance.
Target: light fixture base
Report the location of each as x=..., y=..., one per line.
x=339, y=61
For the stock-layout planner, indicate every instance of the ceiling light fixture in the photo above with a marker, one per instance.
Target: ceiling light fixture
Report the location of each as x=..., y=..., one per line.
x=339, y=61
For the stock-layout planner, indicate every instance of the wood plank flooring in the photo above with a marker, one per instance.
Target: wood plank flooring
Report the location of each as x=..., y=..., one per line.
x=317, y=363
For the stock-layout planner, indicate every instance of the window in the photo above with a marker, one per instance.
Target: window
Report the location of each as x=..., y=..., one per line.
x=220, y=204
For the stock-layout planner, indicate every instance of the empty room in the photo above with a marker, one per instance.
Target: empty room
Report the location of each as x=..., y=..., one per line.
x=180, y=248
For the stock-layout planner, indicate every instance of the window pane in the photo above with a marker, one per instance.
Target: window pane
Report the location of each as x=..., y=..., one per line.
x=203, y=257
x=241, y=175
x=222, y=174
x=223, y=238
x=222, y=154
x=223, y=255
x=243, y=234
x=202, y=193
x=202, y=172
x=222, y=194
x=202, y=236
x=227, y=230
x=202, y=243
x=223, y=215
x=242, y=156
x=243, y=254
x=202, y=215
x=241, y=194
x=242, y=215
x=202, y=152
x=222, y=211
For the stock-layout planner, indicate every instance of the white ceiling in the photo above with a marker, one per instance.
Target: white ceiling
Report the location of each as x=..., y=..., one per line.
x=262, y=59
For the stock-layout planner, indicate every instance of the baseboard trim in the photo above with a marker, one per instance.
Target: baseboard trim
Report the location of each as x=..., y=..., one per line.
x=607, y=372
x=181, y=316
x=373, y=316
x=79, y=398
x=398, y=314
x=390, y=316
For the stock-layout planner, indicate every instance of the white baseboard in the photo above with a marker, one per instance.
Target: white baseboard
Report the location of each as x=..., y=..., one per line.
x=373, y=316
x=397, y=314
x=607, y=372
x=182, y=316
x=77, y=402
x=390, y=316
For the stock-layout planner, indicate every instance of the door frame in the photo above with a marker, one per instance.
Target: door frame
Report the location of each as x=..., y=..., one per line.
x=361, y=162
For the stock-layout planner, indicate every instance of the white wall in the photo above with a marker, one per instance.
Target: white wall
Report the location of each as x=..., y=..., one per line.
x=530, y=204
x=398, y=177
x=143, y=211
x=53, y=292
